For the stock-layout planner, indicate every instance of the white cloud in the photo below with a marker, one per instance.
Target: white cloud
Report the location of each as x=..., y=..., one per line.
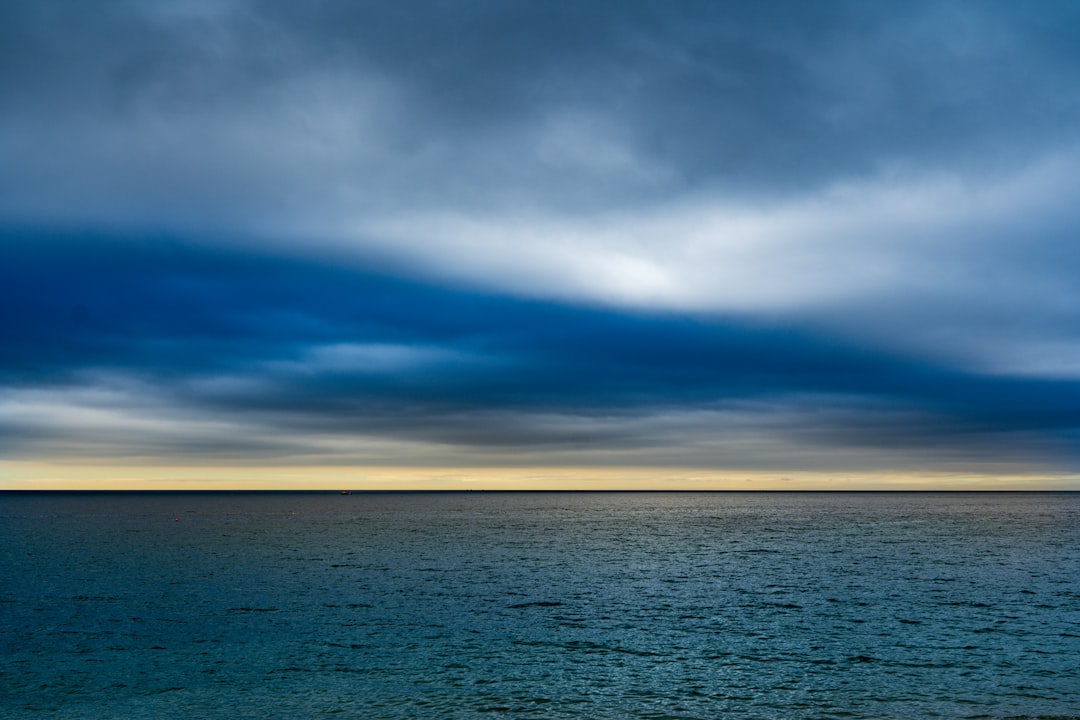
x=849, y=242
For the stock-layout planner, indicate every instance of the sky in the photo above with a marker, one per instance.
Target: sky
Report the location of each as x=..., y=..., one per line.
x=522, y=245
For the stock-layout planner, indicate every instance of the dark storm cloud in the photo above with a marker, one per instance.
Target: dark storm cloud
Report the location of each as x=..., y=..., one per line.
x=451, y=103
x=758, y=94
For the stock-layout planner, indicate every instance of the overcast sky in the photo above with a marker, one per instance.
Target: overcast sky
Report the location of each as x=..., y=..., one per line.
x=767, y=237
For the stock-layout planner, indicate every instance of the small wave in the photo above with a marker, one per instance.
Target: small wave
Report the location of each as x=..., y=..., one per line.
x=538, y=603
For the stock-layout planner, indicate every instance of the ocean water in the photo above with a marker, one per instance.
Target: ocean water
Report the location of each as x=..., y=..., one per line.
x=540, y=605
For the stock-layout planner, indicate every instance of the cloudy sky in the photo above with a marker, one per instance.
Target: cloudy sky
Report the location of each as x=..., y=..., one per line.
x=539, y=244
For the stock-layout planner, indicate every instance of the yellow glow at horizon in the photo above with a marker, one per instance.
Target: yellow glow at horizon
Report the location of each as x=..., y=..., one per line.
x=23, y=475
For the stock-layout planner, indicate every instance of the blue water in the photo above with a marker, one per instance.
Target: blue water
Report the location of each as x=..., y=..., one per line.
x=540, y=605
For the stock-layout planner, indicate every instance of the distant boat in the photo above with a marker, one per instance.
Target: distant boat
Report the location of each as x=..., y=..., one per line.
x=346, y=492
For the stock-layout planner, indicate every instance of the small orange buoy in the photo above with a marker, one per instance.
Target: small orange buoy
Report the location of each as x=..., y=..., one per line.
x=177, y=520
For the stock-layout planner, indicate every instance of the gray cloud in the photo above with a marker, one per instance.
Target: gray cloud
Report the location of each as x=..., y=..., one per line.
x=297, y=110
x=899, y=177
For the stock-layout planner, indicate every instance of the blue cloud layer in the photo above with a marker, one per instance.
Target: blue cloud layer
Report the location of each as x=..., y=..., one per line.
x=319, y=349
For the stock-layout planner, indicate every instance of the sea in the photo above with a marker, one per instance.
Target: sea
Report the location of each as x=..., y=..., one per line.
x=539, y=605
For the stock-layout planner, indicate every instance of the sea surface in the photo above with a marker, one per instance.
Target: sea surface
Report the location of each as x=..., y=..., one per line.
x=539, y=605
